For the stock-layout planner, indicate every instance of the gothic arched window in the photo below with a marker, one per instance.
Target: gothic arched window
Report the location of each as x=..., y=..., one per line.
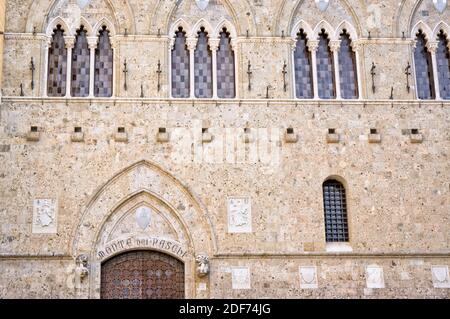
x=203, y=66
x=335, y=209
x=347, y=68
x=80, y=65
x=303, y=68
x=180, y=66
x=423, y=68
x=57, y=64
x=225, y=67
x=443, y=65
x=104, y=65
x=325, y=68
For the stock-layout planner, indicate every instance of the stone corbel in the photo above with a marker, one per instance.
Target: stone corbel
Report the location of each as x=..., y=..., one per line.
x=202, y=265
x=81, y=269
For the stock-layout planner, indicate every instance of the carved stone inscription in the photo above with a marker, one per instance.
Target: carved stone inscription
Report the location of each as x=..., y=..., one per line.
x=240, y=278
x=374, y=277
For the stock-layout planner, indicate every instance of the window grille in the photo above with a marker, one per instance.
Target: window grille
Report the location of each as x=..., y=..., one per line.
x=335, y=207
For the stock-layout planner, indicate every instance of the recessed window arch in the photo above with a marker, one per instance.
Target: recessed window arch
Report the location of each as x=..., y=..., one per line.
x=303, y=68
x=347, y=68
x=80, y=65
x=335, y=211
x=325, y=68
x=57, y=64
x=180, y=66
x=203, y=78
x=443, y=65
x=423, y=68
x=225, y=67
x=104, y=65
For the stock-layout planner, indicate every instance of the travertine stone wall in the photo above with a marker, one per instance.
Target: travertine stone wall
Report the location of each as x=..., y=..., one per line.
x=58, y=189
x=2, y=31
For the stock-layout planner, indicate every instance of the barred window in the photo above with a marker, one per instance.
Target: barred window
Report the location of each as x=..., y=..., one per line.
x=180, y=66
x=303, y=68
x=423, y=69
x=104, y=64
x=225, y=67
x=57, y=64
x=443, y=65
x=203, y=66
x=325, y=68
x=347, y=68
x=80, y=65
x=335, y=207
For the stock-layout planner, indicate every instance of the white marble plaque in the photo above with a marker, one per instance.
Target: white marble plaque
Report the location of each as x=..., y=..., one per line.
x=374, y=277
x=201, y=286
x=239, y=215
x=45, y=216
x=143, y=217
x=308, y=277
x=440, y=276
x=240, y=278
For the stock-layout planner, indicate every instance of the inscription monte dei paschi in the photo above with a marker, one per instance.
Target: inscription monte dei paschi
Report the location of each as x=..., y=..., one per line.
x=148, y=242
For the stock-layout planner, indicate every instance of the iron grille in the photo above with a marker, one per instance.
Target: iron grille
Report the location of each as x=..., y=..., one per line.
x=335, y=207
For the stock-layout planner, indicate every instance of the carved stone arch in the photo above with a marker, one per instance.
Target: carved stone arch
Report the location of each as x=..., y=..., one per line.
x=237, y=9
x=104, y=22
x=302, y=24
x=225, y=24
x=345, y=25
x=328, y=29
x=108, y=226
x=437, y=29
x=121, y=10
x=425, y=29
x=180, y=23
x=285, y=17
x=201, y=23
x=58, y=21
x=87, y=26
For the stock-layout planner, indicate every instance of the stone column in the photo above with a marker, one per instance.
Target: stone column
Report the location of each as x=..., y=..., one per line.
x=233, y=44
x=47, y=44
x=192, y=45
x=432, y=47
x=70, y=43
x=357, y=48
x=116, y=64
x=313, y=45
x=169, y=66
x=92, y=42
x=335, y=45
x=214, y=45
x=294, y=83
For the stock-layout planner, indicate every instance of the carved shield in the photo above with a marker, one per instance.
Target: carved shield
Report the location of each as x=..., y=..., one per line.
x=322, y=4
x=143, y=217
x=202, y=4
x=440, y=5
x=83, y=3
x=308, y=275
x=440, y=274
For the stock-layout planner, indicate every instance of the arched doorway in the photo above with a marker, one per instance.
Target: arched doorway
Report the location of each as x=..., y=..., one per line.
x=142, y=275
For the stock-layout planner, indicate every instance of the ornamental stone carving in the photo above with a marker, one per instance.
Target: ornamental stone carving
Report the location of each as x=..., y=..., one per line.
x=202, y=265
x=44, y=216
x=239, y=215
x=81, y=269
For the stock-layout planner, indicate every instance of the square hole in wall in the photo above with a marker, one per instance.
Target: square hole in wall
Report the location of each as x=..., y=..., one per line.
x=121, y=129
x=331, y=131
x=414, y=131
x=373, y=131
x=290, y=130
x=34, y=129
x=162, y=130
x=77, y=129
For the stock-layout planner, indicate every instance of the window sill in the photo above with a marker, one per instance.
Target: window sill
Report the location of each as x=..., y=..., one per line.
x=338, y=248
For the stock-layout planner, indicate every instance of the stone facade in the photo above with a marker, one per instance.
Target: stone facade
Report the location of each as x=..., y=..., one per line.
x=250, y=200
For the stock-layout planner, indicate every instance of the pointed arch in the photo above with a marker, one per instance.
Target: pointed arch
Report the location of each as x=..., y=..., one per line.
x=144, y=177
x=201, y=23
x=180, y=23
x=437, y=29
x=425, y=29
x=55, y=22
x=345, y=25
x=104, y=22
x=302, y=24
x=224, y=23
x=328, y=29
x=87, y=26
